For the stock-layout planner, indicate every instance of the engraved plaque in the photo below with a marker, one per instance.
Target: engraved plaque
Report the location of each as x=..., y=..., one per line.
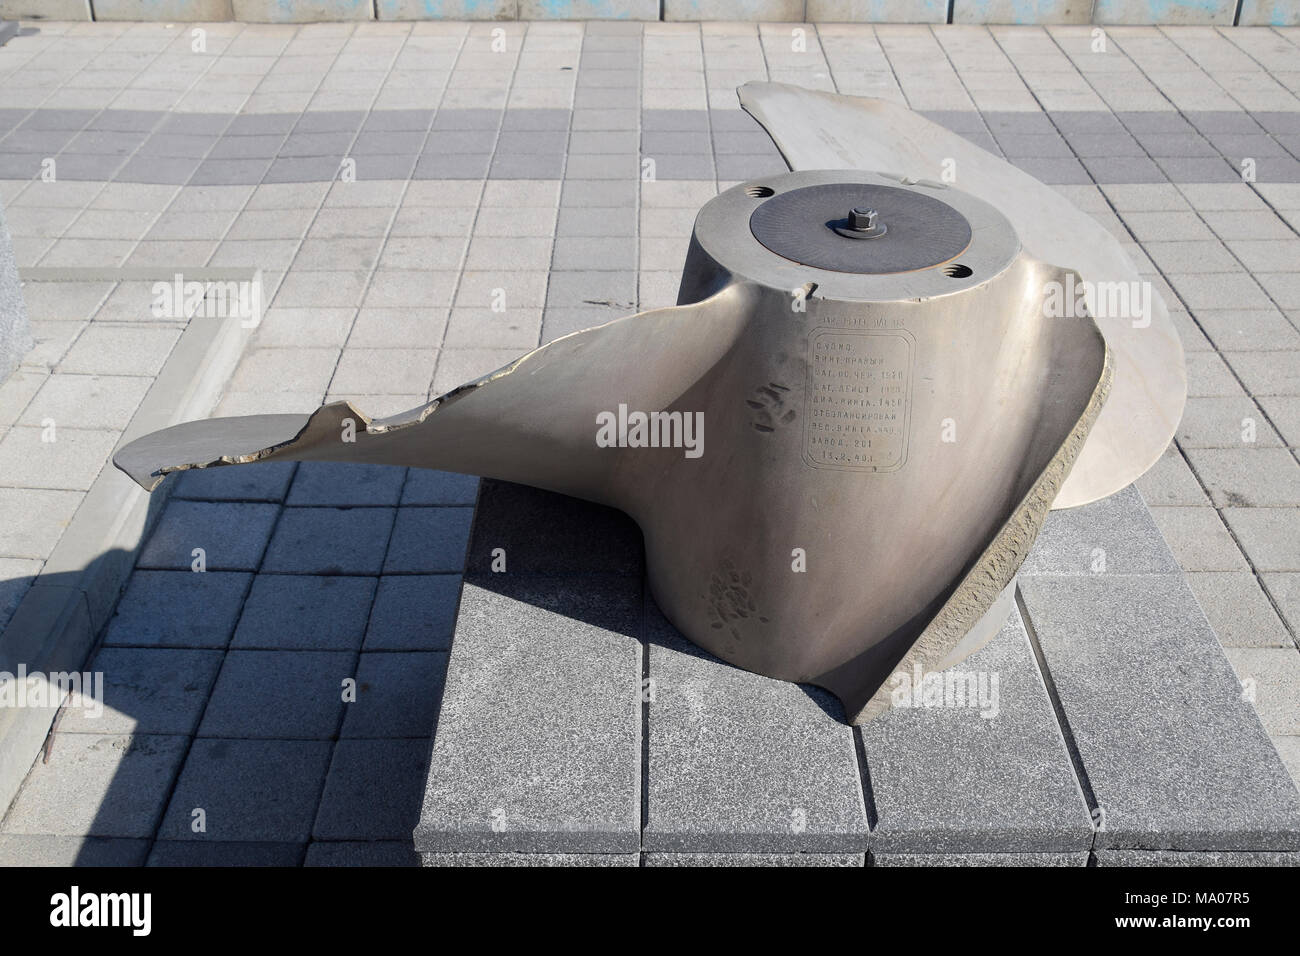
x=859, y=399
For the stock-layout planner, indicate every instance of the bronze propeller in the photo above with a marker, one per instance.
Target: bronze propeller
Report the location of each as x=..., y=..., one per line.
x=839, y=445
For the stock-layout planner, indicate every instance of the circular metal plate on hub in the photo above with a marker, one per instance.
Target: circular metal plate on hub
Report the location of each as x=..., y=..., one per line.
x=801, y=225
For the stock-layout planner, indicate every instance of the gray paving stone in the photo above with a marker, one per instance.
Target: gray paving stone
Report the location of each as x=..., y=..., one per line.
x=249, y=790
x=535, y=119
x=743, y=763
x=1170, y=482
x=467, y=119
x=413, y=613
x=539, y=744
x=302, y=169
x=363, y=853
x=179, y=145
x=1285, y=590
x=305, y=612
x=949, y=778
x=675, y=120
x=543, y=533
x=330, y=541
x=1238, y=609
x=192, y=853
x=1169, y=144
x=530, y=859
x=585, y=288
x=595, y=254
x=1021, y=123
x=686, y=166
x=655, y=142
x=980, y=859
x=232, y=535
x=1195, y=858
x=605, y=142
x=1288, y=748
x=1198, y=539
x=1113, y=536
x=427, y=540
x=329, y=121
x=754, y=859
x=605, y=119
x=247, y=147
x=425, y=486
x=212, y=124
x=1054, y=171
x=1124, y=169
x=111, y=785
x=1113, y=142
x=178, y=609
x=1270, y=678
x=47, y=850
x=597, y=192
x=1175, y=758
x=373, y=790
x=1269, y=536
x=452, y=166
x=230, y=172
x=1224, y=422
x=1246, y=477
x=397, y=695
x=145, y=691
x=526, y=166
x=342, y=484
x=1268, y=373
x=260, y=124
x=163, y=170
x=737, y=167
x=285, y=694
x=587, y=221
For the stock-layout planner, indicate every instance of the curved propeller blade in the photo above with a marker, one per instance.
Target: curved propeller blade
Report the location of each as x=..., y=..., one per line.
x=533, y=421
x=816, y=130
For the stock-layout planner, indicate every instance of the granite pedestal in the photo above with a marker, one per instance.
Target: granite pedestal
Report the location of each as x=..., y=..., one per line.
x=1103, y=724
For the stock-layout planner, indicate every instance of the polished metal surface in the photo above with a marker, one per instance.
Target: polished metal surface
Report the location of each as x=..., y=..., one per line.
x=862, y=459
x=816, y=130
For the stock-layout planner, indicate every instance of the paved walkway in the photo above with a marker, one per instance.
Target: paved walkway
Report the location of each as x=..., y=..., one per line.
x=399, y=185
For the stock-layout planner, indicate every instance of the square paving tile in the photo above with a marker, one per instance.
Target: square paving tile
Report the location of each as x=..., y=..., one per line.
x=305, y=612
x=429, y=540
x=330, y=541
x=414, y=612
x=353, y=807
x=232, y=536
x=342, y=484
x=144, y=690
x=1269, y=536
x=247, y=790
x=278, y=694
x=178, y=609
x=109, y=785
x=397, y=695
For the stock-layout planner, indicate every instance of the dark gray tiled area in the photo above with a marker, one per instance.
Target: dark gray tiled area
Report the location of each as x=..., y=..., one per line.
x=203, y=148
